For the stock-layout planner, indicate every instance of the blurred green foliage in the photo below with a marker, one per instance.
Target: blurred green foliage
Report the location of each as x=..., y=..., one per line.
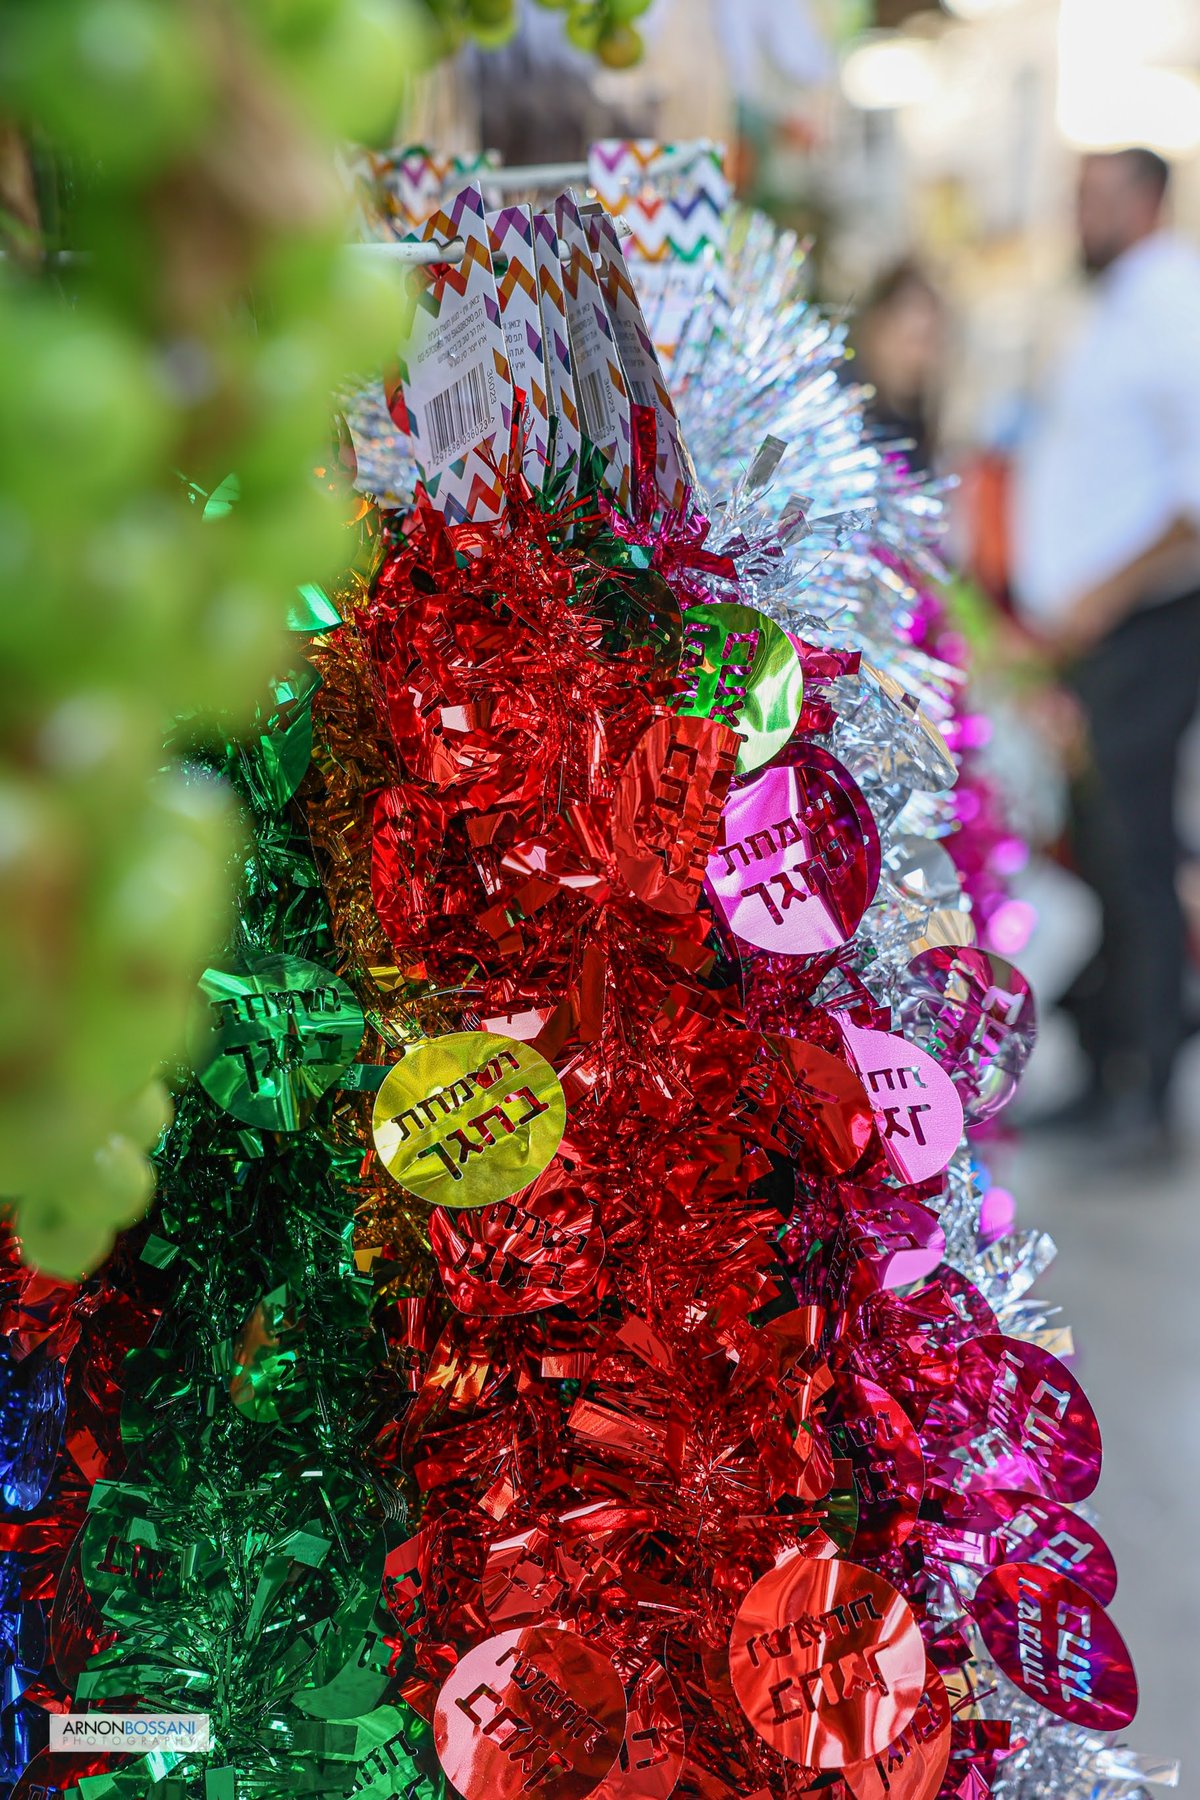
x=604, y=28
x=173, y=300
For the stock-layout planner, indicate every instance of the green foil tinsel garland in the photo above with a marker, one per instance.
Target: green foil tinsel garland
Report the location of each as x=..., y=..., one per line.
x=236, y=1569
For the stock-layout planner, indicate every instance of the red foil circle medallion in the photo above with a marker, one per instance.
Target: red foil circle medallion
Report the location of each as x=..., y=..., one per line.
x=537, y=1714
x=826, y=1661
x=541, y=1247
x=914, y=1765
x=828, y=1122
x=667, y=809
x=651, y=1757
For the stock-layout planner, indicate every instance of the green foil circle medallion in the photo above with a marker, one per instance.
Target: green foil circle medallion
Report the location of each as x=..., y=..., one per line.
x=267, y=1038
x=742, y=670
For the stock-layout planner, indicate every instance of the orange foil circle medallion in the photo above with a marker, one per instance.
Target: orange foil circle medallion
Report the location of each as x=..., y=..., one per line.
x=534, y=1714
x=827, y=1662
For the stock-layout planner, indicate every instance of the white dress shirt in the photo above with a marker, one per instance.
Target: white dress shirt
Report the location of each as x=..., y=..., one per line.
x=784, y=36
x=1114, y=458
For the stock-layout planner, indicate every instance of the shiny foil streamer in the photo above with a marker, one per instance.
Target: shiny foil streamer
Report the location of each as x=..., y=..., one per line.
x=558, y=1492
x=210, y=1538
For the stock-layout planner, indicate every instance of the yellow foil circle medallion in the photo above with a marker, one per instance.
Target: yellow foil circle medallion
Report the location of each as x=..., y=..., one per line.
x=468, y=1119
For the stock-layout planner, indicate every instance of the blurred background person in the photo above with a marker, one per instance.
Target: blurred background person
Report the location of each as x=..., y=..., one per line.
x=899, y=341
x=1107, y=554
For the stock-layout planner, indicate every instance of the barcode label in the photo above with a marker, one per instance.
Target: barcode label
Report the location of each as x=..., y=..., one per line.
x=458, y=417
x=642, y=392
x=598, y=420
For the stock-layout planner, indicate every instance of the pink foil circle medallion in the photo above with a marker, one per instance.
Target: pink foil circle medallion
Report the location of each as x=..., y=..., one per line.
x=797, y=858
x=902, y=1240
x=1058, y=1644
x=1016, y=1418
x=976, y=1014
x=916, y=1105
x=975, y=1316
x=1005, y=1525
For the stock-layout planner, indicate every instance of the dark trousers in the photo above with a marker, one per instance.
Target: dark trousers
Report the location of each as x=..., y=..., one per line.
x=1138, y=690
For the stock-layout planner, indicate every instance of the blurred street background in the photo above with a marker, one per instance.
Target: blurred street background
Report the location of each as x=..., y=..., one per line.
x=932, y=154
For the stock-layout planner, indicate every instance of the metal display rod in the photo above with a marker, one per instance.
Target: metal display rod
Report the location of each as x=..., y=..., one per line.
x=420, y=254
x=557, y=174
x=397, y=250
x=563, y=174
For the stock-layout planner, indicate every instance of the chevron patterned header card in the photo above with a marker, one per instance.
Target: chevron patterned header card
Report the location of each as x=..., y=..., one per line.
x=455, y=397
x=673, y=197
x=599, y=378
x=639, y=359
x=510, y=232
x=409, y=183
x=677, y=213
x=557, y=343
